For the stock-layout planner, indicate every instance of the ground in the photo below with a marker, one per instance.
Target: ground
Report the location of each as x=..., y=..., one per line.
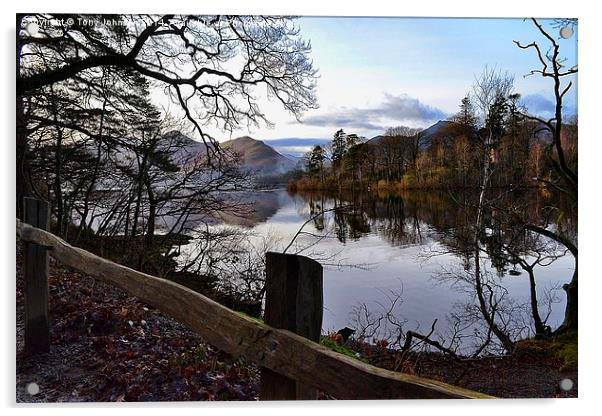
x=535, y=370
x=108, y=346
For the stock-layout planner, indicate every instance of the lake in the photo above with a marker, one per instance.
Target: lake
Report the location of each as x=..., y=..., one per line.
x=377, y=247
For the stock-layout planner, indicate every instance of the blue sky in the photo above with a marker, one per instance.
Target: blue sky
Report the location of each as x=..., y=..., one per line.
x=380, y=72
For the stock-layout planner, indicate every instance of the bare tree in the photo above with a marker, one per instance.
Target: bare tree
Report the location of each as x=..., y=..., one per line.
x=213, y=67
x=554, y=67
x=489, y=90
x=402, y=146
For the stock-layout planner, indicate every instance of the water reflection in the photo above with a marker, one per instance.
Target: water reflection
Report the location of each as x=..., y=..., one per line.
x=422, y=244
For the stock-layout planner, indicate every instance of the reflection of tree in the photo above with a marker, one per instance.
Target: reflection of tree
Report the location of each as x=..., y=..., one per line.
x=391, y=222
x=358, y=225
x=493, y=319
x=317, y=213
x=410, y=218
x=341, y=226
x=349, y=221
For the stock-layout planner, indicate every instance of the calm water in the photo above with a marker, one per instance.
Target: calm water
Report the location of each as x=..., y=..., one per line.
x=384, y=244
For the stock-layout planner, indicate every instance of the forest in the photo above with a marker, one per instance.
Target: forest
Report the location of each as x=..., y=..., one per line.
x=449, y=153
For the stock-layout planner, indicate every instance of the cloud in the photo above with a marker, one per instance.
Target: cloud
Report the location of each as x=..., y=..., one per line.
x=537, y=103
x=395, y=109
x=297, y=151
x=297, y=141
x=543, y=106
x=403, y=107
x=296, y=146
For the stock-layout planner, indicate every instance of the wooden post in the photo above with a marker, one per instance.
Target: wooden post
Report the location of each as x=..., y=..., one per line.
x=294, y=302
x=37, y=329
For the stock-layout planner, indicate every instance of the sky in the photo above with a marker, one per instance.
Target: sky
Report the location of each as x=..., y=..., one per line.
x=380, y=72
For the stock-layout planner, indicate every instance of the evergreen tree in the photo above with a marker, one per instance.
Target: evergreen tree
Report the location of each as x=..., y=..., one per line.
x=339, y=148
x=315, y=161
x=495, y=122
x=467, y=114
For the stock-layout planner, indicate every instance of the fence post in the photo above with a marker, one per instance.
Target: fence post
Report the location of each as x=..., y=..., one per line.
x=293, y=301
x=37, y=329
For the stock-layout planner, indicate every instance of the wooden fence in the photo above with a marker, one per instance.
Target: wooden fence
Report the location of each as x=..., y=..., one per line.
x=293, y=364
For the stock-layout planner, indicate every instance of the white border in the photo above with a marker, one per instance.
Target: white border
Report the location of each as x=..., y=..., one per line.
x=590, y=153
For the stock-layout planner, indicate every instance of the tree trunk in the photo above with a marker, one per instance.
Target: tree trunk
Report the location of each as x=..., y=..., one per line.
x=488, y=315
x=23, y=187
x=570, y=313
x=540, y=328
x=149, y=237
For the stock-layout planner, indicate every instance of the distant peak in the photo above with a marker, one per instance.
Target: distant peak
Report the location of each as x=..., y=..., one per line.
x=246, y=139
x=181, y=136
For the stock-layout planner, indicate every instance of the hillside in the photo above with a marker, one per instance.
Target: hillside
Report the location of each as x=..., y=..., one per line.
x=258, y=157
x=439, y=129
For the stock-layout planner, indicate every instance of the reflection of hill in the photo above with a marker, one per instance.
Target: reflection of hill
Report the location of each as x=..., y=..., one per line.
x=260, y=207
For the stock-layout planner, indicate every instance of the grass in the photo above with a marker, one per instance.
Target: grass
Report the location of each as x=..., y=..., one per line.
x=341, y=349
x=562, y=347
x=565, y=347
x=325, y=341
x=246, y=315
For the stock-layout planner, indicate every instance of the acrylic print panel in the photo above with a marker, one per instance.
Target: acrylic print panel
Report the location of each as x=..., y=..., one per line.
x=277, y=208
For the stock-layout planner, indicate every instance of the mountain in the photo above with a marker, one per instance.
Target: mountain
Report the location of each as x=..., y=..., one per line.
x=441, y=128
x=376, y=140
x=187, y=147
x=258, y=157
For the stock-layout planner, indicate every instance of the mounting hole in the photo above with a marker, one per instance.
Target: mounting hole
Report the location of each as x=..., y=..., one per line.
x=566, y=384
x=32, y=388
x=32, y=28
x=566, y=32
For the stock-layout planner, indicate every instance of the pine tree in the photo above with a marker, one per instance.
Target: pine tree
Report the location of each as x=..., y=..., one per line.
x=467, y=115
x=315, y=161
x=339, y=148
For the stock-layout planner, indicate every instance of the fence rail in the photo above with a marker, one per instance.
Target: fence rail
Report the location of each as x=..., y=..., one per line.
x=278, y=350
